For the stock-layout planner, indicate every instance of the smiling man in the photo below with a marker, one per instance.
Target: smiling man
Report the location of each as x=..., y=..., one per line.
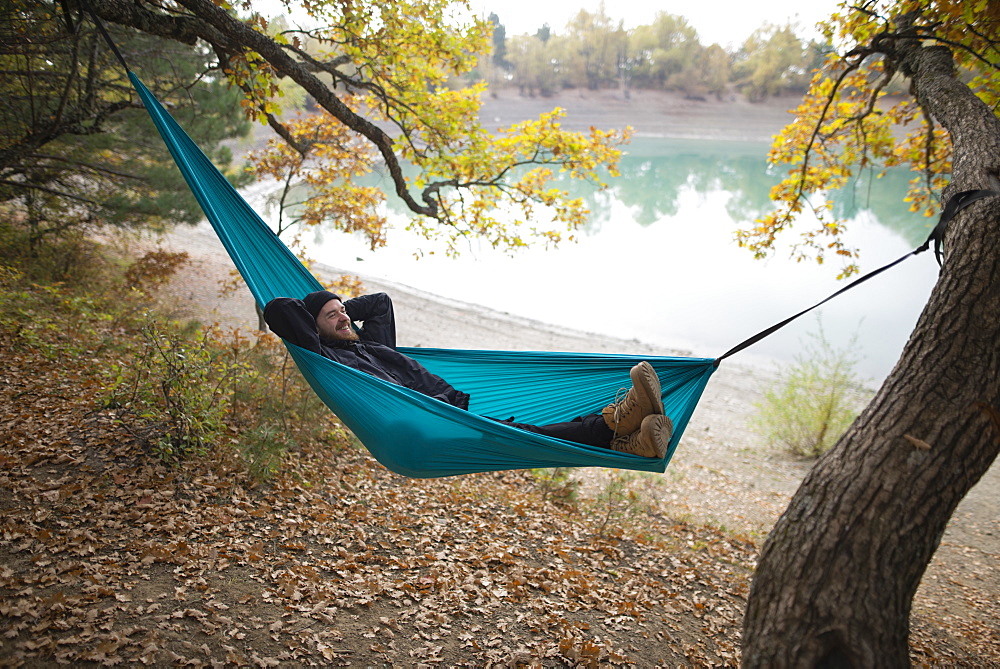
x=322, y=323
x=334, y=323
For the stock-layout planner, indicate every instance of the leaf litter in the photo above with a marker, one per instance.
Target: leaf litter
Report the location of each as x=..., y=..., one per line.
x=108, y=557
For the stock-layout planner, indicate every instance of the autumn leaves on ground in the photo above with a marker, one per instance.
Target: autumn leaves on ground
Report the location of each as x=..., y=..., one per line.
x=111, y=555
x=175, y=498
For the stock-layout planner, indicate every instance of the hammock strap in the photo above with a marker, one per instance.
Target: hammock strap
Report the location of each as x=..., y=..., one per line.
x=956, y=203
x=104, y=33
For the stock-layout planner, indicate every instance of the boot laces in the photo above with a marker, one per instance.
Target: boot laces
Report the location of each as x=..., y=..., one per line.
x=622, y=407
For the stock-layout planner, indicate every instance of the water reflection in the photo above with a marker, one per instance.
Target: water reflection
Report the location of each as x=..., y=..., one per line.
x=883, y=197
x=656, y=170
x=659, y=252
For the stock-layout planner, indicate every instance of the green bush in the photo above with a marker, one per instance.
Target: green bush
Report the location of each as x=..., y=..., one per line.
x=71, y=256
x=177, y=388
x=618, y=504
x=813, y=401
x=187, y=392
x=262, y=449
x=183, y=390
x=557, y=484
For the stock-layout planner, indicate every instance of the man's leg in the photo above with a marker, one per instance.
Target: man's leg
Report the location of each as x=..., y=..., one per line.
x=591, y=430
x=649, y=441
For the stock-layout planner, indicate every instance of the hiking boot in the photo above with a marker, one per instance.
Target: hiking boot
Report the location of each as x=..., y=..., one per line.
x=650, y=440
x=625, y=416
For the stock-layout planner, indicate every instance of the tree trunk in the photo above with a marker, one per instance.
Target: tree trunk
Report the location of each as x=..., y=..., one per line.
x=838, y=573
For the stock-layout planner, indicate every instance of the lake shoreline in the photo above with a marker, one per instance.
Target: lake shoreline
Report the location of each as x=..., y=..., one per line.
x=664, y=114
x=654, y=114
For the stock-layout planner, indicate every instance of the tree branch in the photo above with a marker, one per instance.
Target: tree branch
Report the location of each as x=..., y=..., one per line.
x=51, y=191
x=47, y=132
x=221, y=22
x=181, y=28
x=807, y=151
x=97, y=169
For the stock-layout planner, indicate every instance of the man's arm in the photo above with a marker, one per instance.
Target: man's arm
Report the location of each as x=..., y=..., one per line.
x=288, y=318
x=376, y=312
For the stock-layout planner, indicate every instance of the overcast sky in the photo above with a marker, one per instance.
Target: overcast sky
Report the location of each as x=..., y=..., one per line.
x=726, y=22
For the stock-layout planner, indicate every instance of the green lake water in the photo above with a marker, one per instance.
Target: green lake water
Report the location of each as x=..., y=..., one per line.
x=658, y=261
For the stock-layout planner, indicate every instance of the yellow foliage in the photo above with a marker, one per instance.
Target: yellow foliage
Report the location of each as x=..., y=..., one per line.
x=846, y=123
x=399, y=58
x=335, y=157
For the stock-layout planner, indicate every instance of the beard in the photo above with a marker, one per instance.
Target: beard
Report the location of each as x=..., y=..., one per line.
x=339, y=335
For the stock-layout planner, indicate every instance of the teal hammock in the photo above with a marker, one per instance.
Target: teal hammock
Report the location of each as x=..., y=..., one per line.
x=410, y=433
x=418, y=436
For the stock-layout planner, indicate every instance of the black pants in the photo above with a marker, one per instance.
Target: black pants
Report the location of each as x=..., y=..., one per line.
x=590, y=430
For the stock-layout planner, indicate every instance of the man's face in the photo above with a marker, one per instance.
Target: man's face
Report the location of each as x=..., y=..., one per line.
x=333, y=322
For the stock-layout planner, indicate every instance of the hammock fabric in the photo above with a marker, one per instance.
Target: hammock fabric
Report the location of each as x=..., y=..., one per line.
x=410, y=433
x=417, y=436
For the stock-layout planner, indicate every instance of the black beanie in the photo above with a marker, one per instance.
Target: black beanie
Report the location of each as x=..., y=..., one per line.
x=315, y=301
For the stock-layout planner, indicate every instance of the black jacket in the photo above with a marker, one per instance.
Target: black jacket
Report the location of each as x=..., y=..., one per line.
x=374, y=354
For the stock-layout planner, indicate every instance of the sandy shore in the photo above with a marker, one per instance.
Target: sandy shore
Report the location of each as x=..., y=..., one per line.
x=649, y=113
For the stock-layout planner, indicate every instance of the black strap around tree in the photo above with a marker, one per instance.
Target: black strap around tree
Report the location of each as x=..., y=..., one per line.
x=956, y=203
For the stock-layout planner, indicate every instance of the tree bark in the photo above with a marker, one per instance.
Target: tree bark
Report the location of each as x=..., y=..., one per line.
x=838, y=573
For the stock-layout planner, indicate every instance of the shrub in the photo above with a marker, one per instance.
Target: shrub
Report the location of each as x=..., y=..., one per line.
x=272, y=407
x=617, y=503
x=154, y=269
x=813, y=401
x=187, y=392
x=182, y=390
x=262, y=449
x=70, y=256
x=176, y=388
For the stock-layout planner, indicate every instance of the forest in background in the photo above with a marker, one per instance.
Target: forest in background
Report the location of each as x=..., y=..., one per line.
x=596, y=51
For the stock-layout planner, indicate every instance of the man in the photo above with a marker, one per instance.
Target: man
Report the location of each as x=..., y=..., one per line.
x=324, y=324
